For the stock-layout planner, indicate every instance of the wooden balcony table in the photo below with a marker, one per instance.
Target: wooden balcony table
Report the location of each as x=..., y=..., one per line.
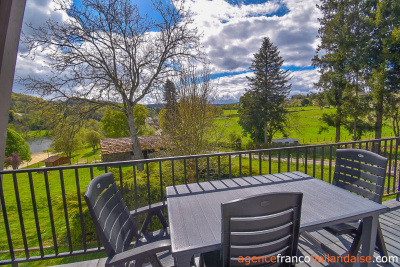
x=194, y=210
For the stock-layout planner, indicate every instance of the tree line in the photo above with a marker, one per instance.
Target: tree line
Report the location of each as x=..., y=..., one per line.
x=358, y=59
x=359, y=64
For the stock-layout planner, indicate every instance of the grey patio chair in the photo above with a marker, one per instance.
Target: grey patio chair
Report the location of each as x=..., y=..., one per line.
x=361, y=172
x=116, y=228
x=262, y=225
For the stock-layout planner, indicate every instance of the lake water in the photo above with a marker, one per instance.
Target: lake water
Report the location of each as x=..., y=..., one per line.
x=38, y=145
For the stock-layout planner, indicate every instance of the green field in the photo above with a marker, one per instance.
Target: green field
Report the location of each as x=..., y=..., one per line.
x=305, y=123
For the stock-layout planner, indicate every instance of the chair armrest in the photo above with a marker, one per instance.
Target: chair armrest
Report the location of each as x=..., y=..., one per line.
x=148, y=209
x=152, y=210
x=139, y=252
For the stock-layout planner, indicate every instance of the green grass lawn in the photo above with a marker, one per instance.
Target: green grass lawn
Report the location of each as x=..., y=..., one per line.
x=305, y=124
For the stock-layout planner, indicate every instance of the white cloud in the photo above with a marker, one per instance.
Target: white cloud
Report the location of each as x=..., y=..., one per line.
x=303, y=80
x=231, y=88
x=37, y=12
x=231, y=35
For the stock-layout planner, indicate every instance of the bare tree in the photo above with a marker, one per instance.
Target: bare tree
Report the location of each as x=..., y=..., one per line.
x=107, y=53
x=189, y=126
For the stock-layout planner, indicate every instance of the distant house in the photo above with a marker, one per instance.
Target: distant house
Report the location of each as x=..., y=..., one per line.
x=55, y=161
x=286, y=141
x=120, y=149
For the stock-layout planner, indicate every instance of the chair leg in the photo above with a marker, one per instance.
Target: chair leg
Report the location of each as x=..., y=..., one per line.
x=355, y=246
x=140, y=262
x=155, y=261
x=380, y=243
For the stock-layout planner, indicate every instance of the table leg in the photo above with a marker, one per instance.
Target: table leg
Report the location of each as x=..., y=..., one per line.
x=183, y=261
x=370, y=225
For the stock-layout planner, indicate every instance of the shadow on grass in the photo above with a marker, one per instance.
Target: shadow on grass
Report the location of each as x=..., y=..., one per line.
x=90, y=154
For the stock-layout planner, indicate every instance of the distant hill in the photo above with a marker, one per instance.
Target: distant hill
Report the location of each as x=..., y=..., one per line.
x=21, y=103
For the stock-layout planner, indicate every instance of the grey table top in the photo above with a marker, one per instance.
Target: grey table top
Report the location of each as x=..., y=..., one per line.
x=194, y=210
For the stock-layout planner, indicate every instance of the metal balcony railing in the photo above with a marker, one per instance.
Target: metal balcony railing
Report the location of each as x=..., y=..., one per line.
x=43, y=214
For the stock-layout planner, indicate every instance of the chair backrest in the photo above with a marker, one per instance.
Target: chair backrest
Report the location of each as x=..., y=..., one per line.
x=264, y=225
x=361, y=172
x=110, y=215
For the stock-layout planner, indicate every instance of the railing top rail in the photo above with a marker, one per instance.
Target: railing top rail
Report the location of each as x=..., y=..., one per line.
x=143, y=161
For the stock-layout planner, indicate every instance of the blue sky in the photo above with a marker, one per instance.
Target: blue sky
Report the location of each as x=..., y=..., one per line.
x=232, y=31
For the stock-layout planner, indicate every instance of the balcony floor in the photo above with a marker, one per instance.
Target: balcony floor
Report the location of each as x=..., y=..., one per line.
x=390, y=223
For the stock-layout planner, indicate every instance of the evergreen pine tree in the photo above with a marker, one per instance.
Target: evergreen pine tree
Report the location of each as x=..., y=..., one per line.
x=170, y=95
x=333, y=63
x=170, y=100
x=261, y=110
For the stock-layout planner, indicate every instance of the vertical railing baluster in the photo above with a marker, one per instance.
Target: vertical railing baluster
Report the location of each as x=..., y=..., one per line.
x=106, y=169
x=305, y=160
x=148, y=183
x=385, y=150
x=219, y=167
x=240, y=165
x=78, y=192
x=297, y=159
x=288, y=160
x=35, y=214
x=251, y=169
x=208, y=168
x=121, y=185
x=279, y=161
x=314, y=160
x=230, y=166
x=390, y=165
x=21, y=218
x=197, y=170
x=91, y=173
x=173, y=172
x=184, y=170
x=270, y=162
x=395, y=174
x=161, y=181
x=5, y=217
x=322, y=162
x=259, y=163
x=66, y=213
x=330, y=163
x=136, y=193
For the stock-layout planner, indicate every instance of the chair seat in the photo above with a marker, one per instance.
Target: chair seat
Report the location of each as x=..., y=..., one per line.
x=153, y=237
x=343, y=228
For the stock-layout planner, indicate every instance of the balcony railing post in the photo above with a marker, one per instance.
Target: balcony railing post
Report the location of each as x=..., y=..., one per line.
x=5, y=220
x=78, y=192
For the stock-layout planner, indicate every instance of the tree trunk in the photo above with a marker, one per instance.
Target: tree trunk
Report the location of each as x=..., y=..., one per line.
x=266, y=133
x=137, y=150
x=355, y=129
x=379, y=116
x=337, y=138
x=338, y=123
